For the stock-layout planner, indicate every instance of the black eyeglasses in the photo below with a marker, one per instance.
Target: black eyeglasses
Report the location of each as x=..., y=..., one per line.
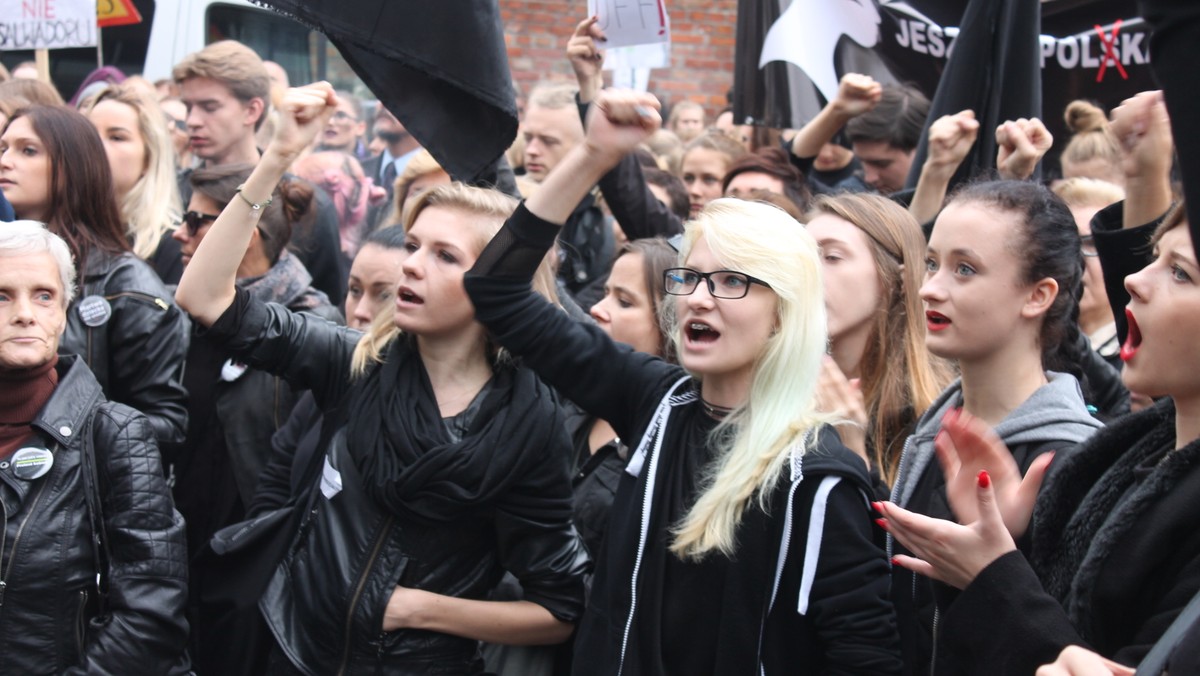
x=181, y=125
x=343, y=116
x=721, y=283
x=1087, y=246
x=194, y=220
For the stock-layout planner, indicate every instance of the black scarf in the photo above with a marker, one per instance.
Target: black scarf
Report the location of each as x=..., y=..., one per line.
x=408, y=461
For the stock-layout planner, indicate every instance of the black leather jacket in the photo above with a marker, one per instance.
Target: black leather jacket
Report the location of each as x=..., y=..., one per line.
x=47, y=607
x=325, y=606
x=137, y=353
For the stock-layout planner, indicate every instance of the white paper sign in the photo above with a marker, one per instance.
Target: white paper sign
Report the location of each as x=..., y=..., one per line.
x=638, y=56
x=631, y=22
x=47, y=24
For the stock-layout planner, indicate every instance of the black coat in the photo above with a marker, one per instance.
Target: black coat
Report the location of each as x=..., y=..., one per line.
x=327, y=609
x=48, y=603
x=137, y=353
x=1140, y=562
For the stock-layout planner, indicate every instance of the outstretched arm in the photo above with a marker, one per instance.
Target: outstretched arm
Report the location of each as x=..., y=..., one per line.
x=624, y=187
x=1143, y=129
x=618, y=122
x=504, y=622
x=207, y=287
x=950, y=139
x=856, y=95
x=1021, y=144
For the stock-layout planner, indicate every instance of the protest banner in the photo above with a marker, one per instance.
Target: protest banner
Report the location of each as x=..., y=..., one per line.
x=791, y=53
x=47, y=24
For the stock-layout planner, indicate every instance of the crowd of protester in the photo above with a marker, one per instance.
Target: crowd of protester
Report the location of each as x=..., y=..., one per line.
x=280, y=396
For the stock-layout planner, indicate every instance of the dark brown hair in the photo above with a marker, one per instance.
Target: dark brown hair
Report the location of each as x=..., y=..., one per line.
x=292, y=202
x=772, y=162
x=657, y=256
x=83, y=203
x=897, y=120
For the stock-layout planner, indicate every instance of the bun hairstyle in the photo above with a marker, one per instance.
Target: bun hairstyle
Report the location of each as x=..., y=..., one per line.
x=292, y=203
x=1091, y=139
x=1084, y=116
x=1048, y=245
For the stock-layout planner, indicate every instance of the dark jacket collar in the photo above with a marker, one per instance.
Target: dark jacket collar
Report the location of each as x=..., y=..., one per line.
x=73, y=400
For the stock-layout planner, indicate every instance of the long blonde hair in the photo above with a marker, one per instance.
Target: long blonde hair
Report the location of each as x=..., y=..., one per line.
x=756, y=441
x=488, y=209
x=152, y=206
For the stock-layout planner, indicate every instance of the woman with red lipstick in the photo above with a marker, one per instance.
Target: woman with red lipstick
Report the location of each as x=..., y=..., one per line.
x=53, y=169
x=739, y=541
x=1113, y=545
x=1003, y=273
x=445, y=463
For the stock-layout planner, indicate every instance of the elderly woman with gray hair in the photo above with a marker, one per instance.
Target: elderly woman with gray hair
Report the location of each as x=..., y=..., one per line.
x=95, y=577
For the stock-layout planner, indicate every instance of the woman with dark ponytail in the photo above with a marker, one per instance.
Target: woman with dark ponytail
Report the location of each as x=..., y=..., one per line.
x=1003, y=274
x=234, y=409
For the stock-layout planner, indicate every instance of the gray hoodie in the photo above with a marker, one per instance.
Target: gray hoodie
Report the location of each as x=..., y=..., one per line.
x=1055, y=412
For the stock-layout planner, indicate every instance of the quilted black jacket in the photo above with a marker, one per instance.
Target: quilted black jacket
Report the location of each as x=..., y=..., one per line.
x=48, y=609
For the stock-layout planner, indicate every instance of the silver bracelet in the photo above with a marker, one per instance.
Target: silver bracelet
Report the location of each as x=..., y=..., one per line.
x=259, y=206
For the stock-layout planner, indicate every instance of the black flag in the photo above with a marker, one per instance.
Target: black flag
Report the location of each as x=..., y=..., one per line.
x=790, y=52
x=441, y=67
x=994, y=70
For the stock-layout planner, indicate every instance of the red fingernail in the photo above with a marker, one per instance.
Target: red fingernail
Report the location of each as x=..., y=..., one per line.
x=895, y=561
x=878, y=506
x=984, y=479
x=881, y=523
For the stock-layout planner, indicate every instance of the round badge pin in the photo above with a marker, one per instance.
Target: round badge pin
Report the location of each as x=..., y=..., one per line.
x=32, y=463
x=95, y=310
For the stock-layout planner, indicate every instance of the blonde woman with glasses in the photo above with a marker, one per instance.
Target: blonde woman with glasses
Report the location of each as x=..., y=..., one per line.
x=740, y=539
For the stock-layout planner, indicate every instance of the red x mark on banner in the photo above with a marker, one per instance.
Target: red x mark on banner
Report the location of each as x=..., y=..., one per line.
x=1110, y=51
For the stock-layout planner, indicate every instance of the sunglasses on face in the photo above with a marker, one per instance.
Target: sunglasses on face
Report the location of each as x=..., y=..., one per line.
x=194, y=220
x=721, y=283
x=178, y=125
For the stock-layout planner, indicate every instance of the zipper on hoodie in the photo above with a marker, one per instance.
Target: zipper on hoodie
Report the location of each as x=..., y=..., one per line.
x=937, y=615
x=900, y=476
x=376, y=548
x=12, y=560
x=644, y=533
x=658, y=426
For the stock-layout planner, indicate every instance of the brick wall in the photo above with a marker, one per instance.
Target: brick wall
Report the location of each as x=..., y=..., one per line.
x=702, y=39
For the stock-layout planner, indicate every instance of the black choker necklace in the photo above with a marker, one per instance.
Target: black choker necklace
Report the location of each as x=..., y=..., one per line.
x=715, y=412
